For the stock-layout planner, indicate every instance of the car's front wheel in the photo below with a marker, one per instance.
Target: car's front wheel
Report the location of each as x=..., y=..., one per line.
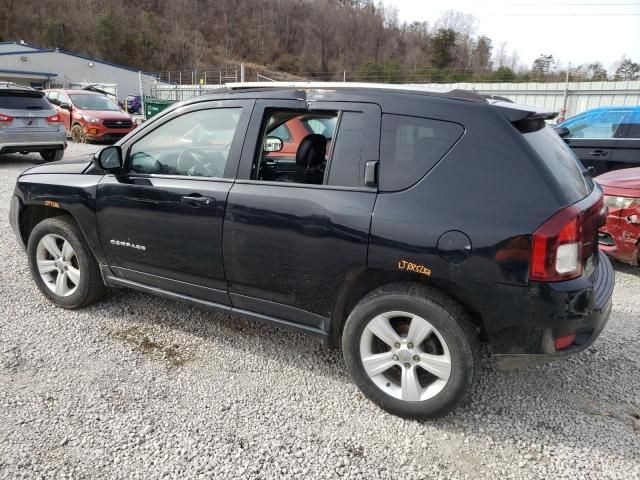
x=52, y=155
x=77, y=134
x=62, y=265
x=412, y=350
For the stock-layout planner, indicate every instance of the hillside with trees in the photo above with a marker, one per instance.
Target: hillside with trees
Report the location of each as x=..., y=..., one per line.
x=315, y=39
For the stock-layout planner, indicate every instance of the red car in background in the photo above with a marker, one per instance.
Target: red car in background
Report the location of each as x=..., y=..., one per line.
x=620, y=237
x=90, y=116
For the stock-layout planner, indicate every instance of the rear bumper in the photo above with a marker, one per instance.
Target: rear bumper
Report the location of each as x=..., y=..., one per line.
x=17, y=147
x=32, y=140
x=625, y=246
x=581, y=306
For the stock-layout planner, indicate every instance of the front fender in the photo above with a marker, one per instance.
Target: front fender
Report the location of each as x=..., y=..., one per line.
x=73, y=194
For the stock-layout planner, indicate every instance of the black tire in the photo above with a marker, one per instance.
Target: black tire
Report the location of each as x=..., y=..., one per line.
x=451, y=322
x=90, y=287
x=52, y=155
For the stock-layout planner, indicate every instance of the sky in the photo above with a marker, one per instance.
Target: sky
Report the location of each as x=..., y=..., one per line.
x=576, y=31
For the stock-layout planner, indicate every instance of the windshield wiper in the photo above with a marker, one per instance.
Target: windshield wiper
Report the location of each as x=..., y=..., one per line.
x=33, y=107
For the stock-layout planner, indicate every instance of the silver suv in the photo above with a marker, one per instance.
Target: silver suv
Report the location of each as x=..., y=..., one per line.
x=29, y=123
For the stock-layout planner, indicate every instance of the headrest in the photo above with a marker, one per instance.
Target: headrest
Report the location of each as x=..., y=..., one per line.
x=312, y=150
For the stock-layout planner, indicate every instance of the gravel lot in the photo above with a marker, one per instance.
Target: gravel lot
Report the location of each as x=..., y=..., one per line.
x=141, y=387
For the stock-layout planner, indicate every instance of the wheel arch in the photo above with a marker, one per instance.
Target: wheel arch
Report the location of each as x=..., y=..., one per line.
x=360, y=283
x=32, y=214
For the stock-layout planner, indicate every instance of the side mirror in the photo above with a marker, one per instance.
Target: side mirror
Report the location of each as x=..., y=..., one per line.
x=562, y=131
x=109, y=158
x=66, y=106
x=272, y=144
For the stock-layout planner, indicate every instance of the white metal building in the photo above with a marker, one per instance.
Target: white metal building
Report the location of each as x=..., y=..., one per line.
x=47, y=68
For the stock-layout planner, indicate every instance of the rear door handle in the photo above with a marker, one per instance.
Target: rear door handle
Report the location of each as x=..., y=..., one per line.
x=598, y=153
x=198, y=201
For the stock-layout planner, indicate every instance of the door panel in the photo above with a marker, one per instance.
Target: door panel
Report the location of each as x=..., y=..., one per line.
x=627, y=153
x=290, y=247
x=593, y=152
x=160, y=222
x=147, y=226
x=293, y=246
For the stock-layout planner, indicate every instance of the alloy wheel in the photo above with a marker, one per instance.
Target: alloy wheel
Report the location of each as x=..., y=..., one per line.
x=58, y=265
x=77, y=134
x=405, y=356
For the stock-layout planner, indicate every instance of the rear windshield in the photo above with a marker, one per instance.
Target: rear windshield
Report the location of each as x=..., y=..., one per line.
x=561, y=162
x=23, y=101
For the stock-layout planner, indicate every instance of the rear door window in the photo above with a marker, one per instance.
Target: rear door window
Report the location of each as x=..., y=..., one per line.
x=631, y=125
x=23, y=101
x=411, y=146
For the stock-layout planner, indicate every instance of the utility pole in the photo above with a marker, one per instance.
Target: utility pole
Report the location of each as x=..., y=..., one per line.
x=563, y=112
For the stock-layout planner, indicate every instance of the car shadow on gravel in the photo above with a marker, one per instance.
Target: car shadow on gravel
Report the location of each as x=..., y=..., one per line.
x=626, y=268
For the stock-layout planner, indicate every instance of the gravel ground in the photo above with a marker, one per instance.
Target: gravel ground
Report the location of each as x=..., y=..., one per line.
x=141, y=387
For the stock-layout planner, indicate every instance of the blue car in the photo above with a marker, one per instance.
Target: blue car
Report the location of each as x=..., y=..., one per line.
x=605, y=138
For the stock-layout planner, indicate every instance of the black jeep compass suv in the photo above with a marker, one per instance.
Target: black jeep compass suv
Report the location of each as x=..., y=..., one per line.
x=403, y=225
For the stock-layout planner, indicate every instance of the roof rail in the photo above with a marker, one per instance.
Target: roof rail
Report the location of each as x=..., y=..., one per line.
x=407, y=88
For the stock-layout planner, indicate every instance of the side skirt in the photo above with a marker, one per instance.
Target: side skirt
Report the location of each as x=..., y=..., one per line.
x=217, y=307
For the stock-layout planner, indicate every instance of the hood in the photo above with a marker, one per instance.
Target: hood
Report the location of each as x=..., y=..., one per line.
x=76, y=164
x=626, y=179
x=105, y=114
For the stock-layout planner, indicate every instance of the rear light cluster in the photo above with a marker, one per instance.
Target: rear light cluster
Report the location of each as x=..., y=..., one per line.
x=565, y=342
x=5, y=120
x=618, y=203
x=54, y=118
x=563, y=243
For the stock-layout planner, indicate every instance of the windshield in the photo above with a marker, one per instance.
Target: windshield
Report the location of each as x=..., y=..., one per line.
x=93, y=102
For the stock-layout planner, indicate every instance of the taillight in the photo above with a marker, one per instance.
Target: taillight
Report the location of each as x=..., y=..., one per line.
x=556, y=248
x=5, y=120
x=564, y=342
x=563, y=243
x=54, y=118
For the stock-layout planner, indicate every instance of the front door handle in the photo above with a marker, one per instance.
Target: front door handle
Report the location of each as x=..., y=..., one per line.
x=598, y=153
x=198, y=201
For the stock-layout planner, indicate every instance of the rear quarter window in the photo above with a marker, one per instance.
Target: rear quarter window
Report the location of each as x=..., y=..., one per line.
x=23, y=101
x=561, y=162
x=411, y=146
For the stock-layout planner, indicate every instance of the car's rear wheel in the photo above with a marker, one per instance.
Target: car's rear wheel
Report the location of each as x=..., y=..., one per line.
x=77, y=134
x=412, y=350
x=52, y=155
x=62, y=265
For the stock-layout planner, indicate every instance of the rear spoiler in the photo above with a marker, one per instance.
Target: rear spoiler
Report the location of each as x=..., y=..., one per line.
x=517, y=113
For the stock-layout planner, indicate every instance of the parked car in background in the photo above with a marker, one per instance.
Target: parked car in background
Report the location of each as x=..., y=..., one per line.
x=29, y=123
x=620, y=237
x=133, y=104
x=90, y=116
x=604, y=139
x=435, y=220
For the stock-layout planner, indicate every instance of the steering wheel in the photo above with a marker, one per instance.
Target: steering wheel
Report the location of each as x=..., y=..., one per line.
x=190, y=162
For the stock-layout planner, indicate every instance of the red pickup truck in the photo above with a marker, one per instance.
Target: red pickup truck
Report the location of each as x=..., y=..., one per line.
x=90, y=116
